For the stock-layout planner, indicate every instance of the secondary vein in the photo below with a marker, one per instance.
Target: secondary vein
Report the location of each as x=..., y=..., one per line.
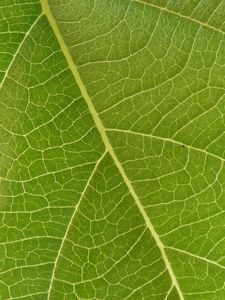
x=180, y=15
x=71, y=220
x=18, y=50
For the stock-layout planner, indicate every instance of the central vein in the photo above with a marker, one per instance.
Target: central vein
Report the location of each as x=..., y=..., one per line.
x=109, y=148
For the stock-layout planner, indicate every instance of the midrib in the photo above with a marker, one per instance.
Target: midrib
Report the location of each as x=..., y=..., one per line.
x=109, y=148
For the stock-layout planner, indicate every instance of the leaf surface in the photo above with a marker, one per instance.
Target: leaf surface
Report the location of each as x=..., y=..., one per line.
x=112, y=150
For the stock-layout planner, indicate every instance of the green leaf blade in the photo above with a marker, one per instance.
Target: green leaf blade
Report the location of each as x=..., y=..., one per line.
x=112, y=152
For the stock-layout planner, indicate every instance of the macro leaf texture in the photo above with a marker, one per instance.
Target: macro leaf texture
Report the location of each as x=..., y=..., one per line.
x=112, y=149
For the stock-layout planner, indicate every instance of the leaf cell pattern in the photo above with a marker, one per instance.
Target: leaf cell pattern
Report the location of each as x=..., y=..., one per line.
x=112, y=149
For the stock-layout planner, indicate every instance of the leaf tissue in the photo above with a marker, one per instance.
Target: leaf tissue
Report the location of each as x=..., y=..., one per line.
x=112, y=149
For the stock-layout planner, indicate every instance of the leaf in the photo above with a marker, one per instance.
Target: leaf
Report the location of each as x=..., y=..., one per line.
x=112, y=149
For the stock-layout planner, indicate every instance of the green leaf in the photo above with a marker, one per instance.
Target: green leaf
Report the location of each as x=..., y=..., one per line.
x=112, y=149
